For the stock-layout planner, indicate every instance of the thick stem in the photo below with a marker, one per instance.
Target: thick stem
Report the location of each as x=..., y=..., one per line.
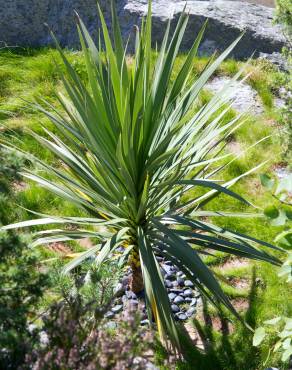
x=136, y=282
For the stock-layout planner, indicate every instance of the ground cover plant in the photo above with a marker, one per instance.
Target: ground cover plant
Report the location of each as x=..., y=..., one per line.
x=22, y=284
x=87, y=340
x=132, y=147
x=269, y=300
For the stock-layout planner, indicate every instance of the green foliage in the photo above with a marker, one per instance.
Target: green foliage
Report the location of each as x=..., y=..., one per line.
x=135, y=144
x=282, y=326
x=22, y=285
x=284, y=16
x=281, y=213
x=286, y=269
x=87, y=282
x=78, y=337
x=10, y=164
x=21, y=289
x=284, y=239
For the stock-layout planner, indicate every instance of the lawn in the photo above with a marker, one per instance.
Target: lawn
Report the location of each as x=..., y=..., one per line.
x=254, y=288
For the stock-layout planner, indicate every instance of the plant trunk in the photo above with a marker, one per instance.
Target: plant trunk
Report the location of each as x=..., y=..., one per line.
x=136, y=282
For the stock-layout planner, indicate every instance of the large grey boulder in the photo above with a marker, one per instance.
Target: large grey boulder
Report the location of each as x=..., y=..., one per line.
x=226, y=21
x=22, y=22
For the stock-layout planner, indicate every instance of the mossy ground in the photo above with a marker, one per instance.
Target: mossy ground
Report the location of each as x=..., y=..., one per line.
x=29, y=75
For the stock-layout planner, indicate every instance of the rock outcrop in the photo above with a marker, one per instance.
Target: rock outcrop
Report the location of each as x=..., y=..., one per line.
x=22, y=22
x=245, y=98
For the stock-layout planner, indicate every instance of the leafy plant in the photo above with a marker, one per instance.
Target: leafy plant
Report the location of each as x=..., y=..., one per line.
x=94, y=286
x=284, y=17
x=286, y=269
x=21, y=289
x=10, y=164
x=142, y=158
x=21, y=284
x=86, y=341
x=282, y=327
x=281, y=213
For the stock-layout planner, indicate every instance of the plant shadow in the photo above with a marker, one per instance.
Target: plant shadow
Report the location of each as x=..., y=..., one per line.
x=231, y=347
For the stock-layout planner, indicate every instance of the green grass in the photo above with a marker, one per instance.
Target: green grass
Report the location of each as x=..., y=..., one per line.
x=30, y=74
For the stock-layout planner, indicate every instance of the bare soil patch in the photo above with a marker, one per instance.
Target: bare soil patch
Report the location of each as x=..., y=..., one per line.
x=234, y=147
x=19, y=186
x=239, y=283
x=240, y=304
x=236, y=263
x=59, y=248
x=86, y=243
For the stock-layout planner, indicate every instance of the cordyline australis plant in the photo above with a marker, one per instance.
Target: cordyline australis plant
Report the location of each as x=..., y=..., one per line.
x=132, y=145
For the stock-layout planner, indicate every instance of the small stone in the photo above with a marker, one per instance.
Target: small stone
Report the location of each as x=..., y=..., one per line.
x=168, y=263
x=150, y=366
x=169, y=276
x=188, y=293
x=188, y=283
x=179, y=273
x=109, y=315
x=131, y=295
x=180, y=281
x=144, y=322
x=199, y=302
x=133, y=302
x=159, y=259
x=181, y=316
x=141, y=294
x=188, y=299
x=117, y=309
x=175, y=284
x=111, y=325
x=176, y=291
x=140, y=363
x=125, y=280
x=44, y=339
x=190, y=311
x=175, y=308
x=119, y=290
x=179, y=299
x=171, y=296
x=167, y=269
x=168, y=283
x=124, y=299
x=193, y=302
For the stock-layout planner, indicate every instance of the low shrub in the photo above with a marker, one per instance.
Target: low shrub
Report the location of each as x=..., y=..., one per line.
x=21, y=283
x=78, y=337
x=21, y=289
